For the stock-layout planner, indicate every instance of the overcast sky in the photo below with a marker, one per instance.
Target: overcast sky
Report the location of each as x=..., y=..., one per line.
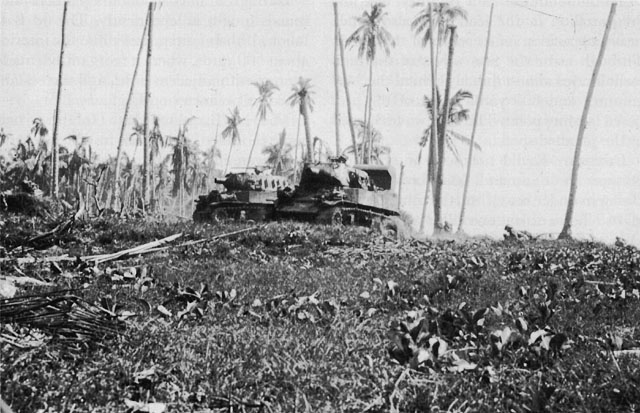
x=207, y=54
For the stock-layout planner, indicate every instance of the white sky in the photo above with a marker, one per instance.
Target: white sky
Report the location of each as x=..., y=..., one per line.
x=207, y=54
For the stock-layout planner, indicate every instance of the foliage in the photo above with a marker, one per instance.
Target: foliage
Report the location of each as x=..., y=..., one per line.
x=313, y=318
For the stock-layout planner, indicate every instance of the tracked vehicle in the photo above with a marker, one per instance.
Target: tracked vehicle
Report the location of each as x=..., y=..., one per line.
x=334, y=193
x=247, y=195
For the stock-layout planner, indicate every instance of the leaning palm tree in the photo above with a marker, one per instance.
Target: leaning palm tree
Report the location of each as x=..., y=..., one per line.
x=265, y=91
x=475, y=124
x=301, y=97
x=54, y=154
x=566, y=228
x=231, y=131
x=369, y=37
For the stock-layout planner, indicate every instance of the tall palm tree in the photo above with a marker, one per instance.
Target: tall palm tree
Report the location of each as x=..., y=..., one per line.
x=265, y=91
x=54, y=175
x=147, y=97
x=346, y=87
x=232, y=132
x=566, y=228
x=116, y=181
x=369, y=37
x=301, y=97
x=433, y=21
x=455, y=113
x=475, y=123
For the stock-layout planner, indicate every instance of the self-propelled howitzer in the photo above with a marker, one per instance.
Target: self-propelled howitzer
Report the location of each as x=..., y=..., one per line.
x=334, y=193
x=247, y=195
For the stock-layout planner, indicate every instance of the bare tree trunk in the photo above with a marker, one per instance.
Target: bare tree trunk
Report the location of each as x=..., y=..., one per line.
x=566, y=229
x=336, y=76
x=434, y=111
x=147, y=96
x=369, y=132
x=475, y=123
x=54, y=154
x=437, y=195
x=253, y=145
x=400, y=185
x=348, y=96
x=116, y=181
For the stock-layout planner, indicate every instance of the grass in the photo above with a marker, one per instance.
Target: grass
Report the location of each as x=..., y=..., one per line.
x=301, y=318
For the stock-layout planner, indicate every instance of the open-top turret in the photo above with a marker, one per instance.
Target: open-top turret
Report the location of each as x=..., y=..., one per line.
x=247, y=195
x=333, y=192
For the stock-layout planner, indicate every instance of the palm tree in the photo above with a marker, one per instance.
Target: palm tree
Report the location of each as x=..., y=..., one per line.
x=279, y=155
x=435, y=17
x=182, y=158
x=116, y=181
x=369, y=36
x=377, y=150
x=566, y=228
x=475, y=123
x=346, y=85
x=156, y=143
x=147, y=97
x=301, y=97
x=455, y=113
x=265, y=91
x=232, y=132
x=54, y=176
x=76, y=160
x=3, y=137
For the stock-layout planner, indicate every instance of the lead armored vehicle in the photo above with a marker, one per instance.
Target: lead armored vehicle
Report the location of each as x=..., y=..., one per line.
x=247, y=195
x=334, y=193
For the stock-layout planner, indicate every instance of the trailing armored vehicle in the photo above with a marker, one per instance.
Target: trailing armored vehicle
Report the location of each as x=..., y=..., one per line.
x=247, y=195
x=334, y=193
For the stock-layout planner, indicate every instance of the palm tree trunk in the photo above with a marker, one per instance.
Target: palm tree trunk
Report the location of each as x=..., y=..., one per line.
x=566, y=229
x=434, y=113
x=54, y=154
x=365, y=126
x=400, y=185
x=437, y=196
x=348, y=96
x=116, y=181
x=369, y=134
x=226, y=168
x=336, y=76
x=307, y=130
x=147, y=96
x=475, y=123
x=213, y=155
x=428, y=187
x=295, y=160
x=253, y=145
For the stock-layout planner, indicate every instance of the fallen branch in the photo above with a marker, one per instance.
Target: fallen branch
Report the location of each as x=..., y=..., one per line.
x=141, y=249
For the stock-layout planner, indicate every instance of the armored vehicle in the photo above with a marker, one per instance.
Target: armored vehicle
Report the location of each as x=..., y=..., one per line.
x=247, y=195
x=332, y=193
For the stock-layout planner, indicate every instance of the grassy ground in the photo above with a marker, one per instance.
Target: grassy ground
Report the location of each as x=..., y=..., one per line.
x=301, y=318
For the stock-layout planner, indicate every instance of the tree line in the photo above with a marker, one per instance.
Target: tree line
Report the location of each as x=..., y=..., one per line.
x=174, y=167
